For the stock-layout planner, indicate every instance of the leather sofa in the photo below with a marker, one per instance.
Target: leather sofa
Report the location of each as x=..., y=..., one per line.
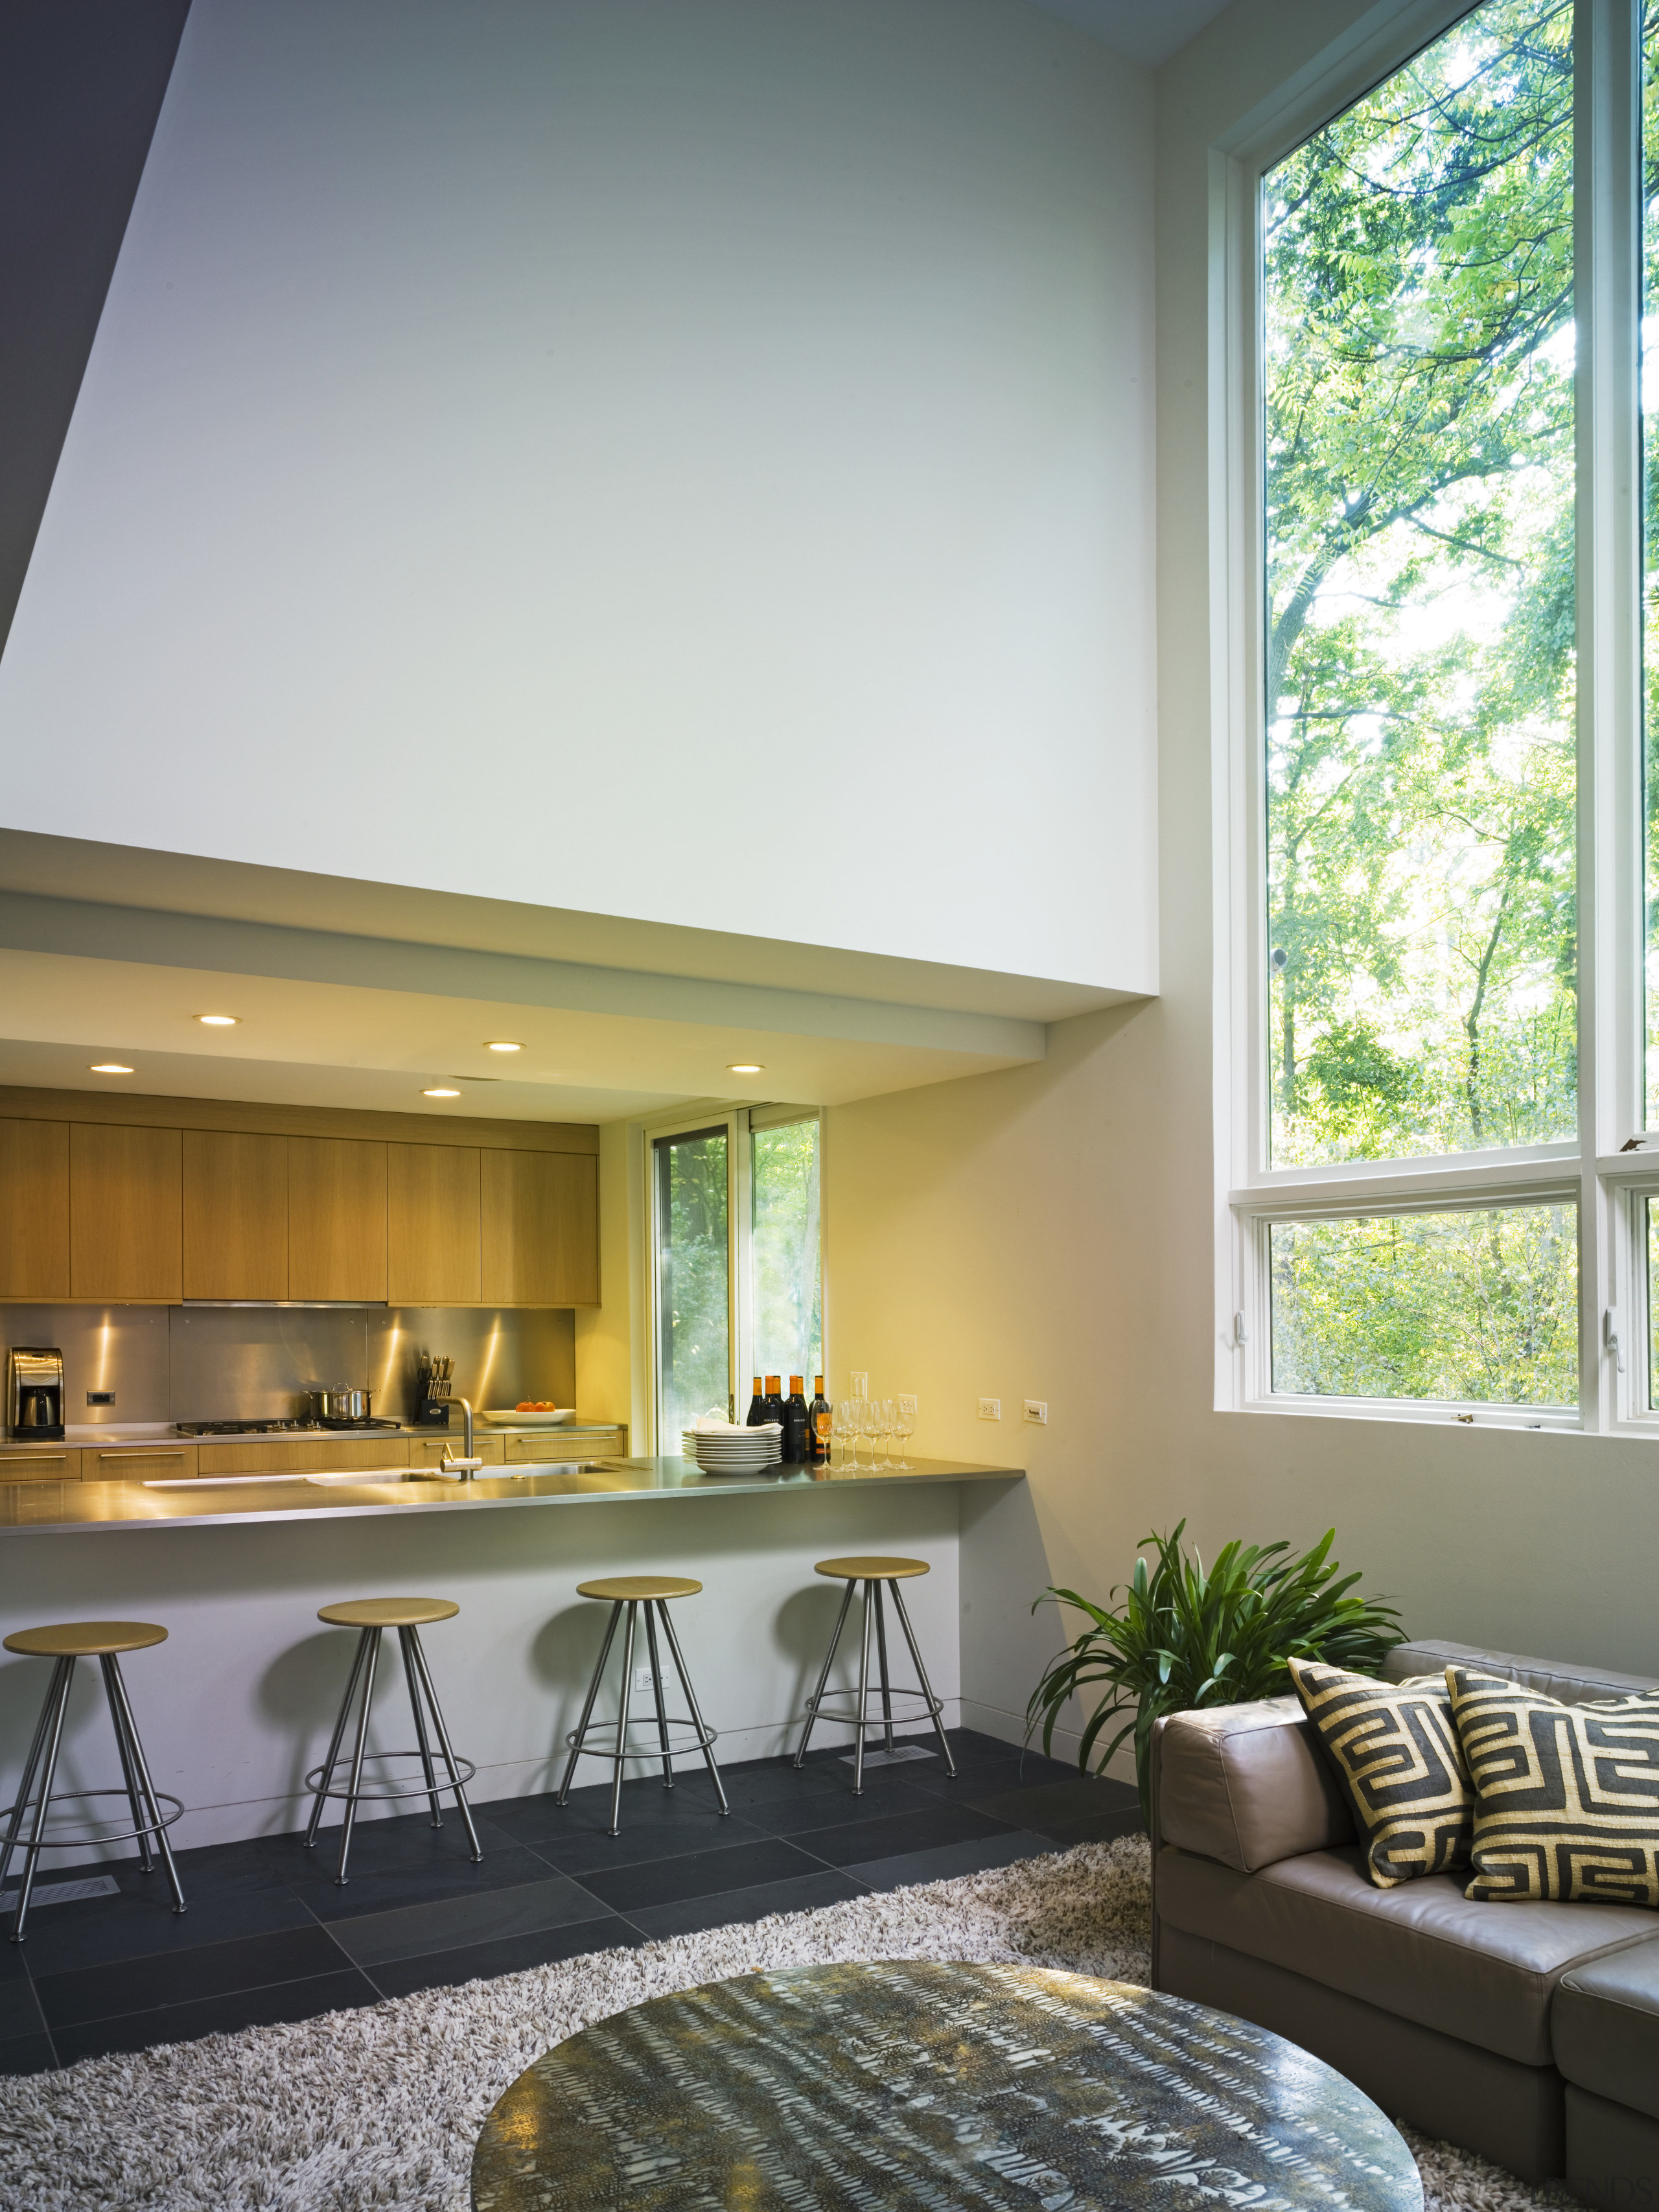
x=1527, y=2033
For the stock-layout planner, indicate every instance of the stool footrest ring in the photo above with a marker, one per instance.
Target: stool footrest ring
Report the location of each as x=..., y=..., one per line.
x=119, y=1835
x=699, y=1740
x=422, y=1788
x=824, y=1708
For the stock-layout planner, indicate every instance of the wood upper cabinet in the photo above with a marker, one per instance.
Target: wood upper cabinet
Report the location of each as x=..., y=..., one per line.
x=236, y=1225
x=34, y=1210
x=431, y=1224
x=336, y=1218
x=125, y=1213
x=541, y=1228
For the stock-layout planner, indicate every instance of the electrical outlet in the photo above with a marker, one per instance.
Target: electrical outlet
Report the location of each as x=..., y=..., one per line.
x=990, y=1409
x=1036, y=1409
x=644, y=1681
x=907, y=1406
x=101, y=1397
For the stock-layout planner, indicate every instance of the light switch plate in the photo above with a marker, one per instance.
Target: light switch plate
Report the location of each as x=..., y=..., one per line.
x=860, y=1382
x=906, y=1405
x=990, y=1409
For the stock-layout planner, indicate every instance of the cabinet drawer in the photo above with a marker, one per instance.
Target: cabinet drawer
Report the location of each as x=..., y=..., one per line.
x=311, y=1456
x=426, y=1451
x=607, y=1444
x=138, y=1462
x=39, y=1466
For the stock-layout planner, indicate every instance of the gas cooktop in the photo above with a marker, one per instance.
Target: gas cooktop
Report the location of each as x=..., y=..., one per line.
x=272, y=1428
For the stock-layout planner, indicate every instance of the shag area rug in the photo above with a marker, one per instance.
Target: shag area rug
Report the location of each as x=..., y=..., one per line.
x=380, y=2108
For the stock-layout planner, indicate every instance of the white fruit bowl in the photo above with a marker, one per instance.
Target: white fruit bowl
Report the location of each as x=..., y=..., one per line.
x=505, y=1417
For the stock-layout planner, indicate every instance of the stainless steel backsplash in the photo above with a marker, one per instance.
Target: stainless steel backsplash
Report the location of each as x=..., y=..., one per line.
x=251, y=1363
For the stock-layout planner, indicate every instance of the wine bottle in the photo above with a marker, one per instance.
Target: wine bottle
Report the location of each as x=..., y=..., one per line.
x=773, y=1402
x=795, y=1444
x=818, y=1424
x=757, y=1407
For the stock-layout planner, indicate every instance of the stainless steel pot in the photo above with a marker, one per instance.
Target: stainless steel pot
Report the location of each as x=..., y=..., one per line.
x=344, y=1405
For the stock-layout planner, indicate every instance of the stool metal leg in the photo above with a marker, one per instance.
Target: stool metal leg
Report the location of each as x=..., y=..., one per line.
x=696, y=1710
x=372, y=1638
x=621, y=1725
x=587, y=1710
x=881, y=1648
x=358, y=1657
x=455, y=1782
x=412, y=1680
x=31, y=1850
x=829, y=1662
x=147, y=1788
x=864, y=1697
x=145, y=1858
x=927, y=1686
x=662, y=1709
x=49, y=1706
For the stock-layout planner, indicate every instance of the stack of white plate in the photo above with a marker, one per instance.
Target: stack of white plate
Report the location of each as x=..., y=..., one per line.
x=738, y=1451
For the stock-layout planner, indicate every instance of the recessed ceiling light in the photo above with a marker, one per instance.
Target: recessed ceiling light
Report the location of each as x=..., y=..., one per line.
x=743, y=1067
x=109, y=1068
x=501, y=1045
x=441, y=1090
x=218, y=1021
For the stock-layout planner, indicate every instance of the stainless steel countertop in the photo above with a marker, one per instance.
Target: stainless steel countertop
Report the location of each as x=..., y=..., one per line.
x=92, y=1437
x=61, y=1508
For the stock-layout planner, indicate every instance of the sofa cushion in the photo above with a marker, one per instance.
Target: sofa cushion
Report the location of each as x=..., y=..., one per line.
x=1246, y=1784
x=1423, y=1952
x=1551, y=1678
x=1566, y=1797
x=1394, y=1751
x=1604, y=2026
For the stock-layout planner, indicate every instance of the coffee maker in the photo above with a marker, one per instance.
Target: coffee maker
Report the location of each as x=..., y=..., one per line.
x=34, y=1392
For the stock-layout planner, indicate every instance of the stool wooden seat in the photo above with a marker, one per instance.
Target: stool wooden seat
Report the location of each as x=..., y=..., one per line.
x=64, y=1642
x=873, y=1572
x=649, y=1590
x=388, y=1611
x=634, y=1591
x=86, y=1639
x=371, y=1616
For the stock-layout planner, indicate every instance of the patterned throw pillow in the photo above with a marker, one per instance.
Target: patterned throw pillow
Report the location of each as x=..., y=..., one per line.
x=1395, y=1752
x=1566, y=1797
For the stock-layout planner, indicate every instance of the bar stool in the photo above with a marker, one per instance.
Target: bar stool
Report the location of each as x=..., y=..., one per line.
x=407, y=1615
x=634, y=1591
x=872, y=1573
x=66, y=1643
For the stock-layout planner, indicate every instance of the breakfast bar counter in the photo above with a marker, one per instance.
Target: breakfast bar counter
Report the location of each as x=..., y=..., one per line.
x=202, y=1501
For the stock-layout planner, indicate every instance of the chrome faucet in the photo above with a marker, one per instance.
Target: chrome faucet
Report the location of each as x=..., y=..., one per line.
x=463, y=1470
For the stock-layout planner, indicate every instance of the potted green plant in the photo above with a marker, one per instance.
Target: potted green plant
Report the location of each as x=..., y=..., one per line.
x=1185, y=1638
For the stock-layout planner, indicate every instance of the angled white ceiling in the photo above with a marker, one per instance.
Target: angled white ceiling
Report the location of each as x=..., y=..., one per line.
x=1147, y=31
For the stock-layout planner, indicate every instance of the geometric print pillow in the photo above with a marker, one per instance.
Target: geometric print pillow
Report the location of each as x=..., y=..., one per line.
x=1566, y=1797
x=1395, y=1752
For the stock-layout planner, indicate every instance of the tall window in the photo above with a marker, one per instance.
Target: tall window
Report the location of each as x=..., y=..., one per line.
x=1432, y=1212
x=736, y=1231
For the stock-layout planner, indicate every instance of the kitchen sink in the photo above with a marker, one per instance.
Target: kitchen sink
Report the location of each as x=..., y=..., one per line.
x=521, y=1471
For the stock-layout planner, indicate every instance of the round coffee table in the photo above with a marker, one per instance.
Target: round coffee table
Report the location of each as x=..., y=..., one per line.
x=909, y=2082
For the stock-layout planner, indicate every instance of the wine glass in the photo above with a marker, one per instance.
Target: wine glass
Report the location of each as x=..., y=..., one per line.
x=870, y=1425
x=847, y=1428
x=886, y=1415
x=905, y=1427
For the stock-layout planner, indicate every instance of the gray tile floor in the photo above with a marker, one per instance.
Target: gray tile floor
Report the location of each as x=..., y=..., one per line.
x=269, y=1937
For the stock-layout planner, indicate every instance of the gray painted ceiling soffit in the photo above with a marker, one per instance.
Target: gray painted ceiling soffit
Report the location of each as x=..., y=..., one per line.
x=81, y=928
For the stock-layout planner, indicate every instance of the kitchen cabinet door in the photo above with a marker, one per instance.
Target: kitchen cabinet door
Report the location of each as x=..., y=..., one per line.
x=337, y=1222
x=126, y=1213
x=431, y=1224
x=235, y=1215
x=541, y=1228
x=34, y=1210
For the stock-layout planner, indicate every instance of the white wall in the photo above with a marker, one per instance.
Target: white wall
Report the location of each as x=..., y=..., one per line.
x=1049, y=1231
x=528, y=441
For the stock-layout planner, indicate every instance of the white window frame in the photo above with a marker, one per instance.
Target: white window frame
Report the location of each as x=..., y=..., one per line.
x=740, y=1122
x=1607, y=1185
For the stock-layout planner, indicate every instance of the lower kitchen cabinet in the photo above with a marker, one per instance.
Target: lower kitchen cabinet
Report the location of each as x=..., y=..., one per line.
x=38, y=1466
x=309, y=1456
x=608, y=1443
x=137, y=1462
x=426, y=1451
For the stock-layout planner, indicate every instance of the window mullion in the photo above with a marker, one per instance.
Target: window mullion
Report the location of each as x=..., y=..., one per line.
x=1609, y=867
